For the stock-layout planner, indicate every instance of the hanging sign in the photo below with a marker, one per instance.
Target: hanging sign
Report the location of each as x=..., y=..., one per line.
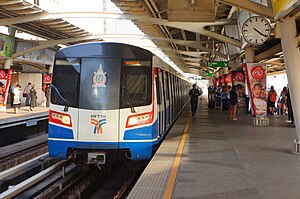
x=238, y=77
x=283, y=7
x=228, y=78
x=217, y=64
x=5, y=77
x=256, y=81
x=47, y=79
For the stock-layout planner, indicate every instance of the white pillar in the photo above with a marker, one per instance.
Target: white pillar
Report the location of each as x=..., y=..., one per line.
x=291, y=54
x=250, y=55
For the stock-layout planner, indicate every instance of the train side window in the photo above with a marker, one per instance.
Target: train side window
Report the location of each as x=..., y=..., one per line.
x=158, y=93
x=66, y=81
x=166, y=79
x=136, y=83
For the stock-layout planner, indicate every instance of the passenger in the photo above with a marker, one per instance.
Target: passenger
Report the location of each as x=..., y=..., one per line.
x=194, y=94
x=47, y=95
x=234, y=101
x=11, y=92
x=218, y=99
x=290, y=107
x=17, y=101
x=283, y=101
x=33, y=97
x=224, y=98
x=26, y=93
x=271, y=100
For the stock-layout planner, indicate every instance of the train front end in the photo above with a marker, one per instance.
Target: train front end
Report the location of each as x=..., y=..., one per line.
x=102, y=103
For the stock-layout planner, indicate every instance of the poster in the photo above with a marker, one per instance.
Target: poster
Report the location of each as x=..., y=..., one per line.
x=238, y=77
x=6, y=46
x=47, y=79
x=256, y=82
x=5, y=77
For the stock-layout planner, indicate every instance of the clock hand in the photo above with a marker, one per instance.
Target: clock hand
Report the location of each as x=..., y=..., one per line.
x=260, y=32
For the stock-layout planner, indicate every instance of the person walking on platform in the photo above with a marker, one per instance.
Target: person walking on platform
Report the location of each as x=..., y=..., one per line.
x=224, y=98
x=11, y=92
x=47, y=94
x=17, y=100
x=26, y=93
x=234, y=101
x=290, y=107
x=33, y=98
x=194, y=94
x=271, y=100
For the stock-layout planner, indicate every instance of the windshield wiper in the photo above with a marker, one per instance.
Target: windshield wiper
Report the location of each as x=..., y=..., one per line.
x=128, y=99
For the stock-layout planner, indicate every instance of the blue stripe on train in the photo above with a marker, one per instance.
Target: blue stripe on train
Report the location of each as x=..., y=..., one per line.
x=143, y=133
x=59, y=132
x=138, y=150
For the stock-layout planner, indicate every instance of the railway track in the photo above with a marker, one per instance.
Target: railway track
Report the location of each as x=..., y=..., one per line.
x=18, y=153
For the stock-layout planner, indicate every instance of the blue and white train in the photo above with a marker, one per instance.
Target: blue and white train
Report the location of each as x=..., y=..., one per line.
x=111, y=98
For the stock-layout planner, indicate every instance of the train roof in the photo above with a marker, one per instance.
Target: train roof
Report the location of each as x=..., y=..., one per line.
x=104, y=49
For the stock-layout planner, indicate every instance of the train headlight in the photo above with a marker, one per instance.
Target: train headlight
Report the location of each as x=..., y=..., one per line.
x=60, y=118
x=140, y=119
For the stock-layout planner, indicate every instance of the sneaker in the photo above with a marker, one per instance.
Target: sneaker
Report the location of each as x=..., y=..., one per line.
x=234, y=118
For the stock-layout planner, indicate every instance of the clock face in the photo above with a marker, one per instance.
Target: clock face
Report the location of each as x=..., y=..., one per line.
x=256, y=30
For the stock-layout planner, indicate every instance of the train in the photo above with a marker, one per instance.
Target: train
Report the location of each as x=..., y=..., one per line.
x=111, y=99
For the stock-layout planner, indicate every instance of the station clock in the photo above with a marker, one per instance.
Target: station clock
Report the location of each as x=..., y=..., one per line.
x=256, y=30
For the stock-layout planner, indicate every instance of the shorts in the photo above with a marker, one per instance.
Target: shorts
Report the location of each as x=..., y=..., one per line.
x=271, y=104
x=17, y=105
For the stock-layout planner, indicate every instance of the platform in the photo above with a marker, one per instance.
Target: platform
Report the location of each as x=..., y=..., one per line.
x=223, y=159
x=25, y=116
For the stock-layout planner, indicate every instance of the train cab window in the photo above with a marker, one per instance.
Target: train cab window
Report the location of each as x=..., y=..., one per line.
x=100, y=83
x=65, y=83
x=136, y=83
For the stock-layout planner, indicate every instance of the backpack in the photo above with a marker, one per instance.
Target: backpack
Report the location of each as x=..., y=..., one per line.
x=272, y=96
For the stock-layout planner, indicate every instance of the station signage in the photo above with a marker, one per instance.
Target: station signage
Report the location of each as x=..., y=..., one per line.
x=217, y=64
x=283, y=7
x=208, y=75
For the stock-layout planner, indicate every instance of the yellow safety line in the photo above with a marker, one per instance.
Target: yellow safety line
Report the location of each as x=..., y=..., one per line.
x=169, y=188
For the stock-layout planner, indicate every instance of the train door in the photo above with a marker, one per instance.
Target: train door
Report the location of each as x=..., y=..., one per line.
x=161, y=113
x=171, y=97
x=99, y=101
x=167, y=100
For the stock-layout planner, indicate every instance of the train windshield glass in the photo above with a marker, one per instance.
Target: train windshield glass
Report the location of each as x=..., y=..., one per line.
x=136, y=83
x=65, y=83
x=100, y=83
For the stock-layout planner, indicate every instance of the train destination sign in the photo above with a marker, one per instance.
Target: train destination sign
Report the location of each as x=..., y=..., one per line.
x=217, y=64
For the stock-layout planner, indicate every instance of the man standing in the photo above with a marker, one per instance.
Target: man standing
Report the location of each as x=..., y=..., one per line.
x=194, y=94
x=26, y=93
x=12, y=94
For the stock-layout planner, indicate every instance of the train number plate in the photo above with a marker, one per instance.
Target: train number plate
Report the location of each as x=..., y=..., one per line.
x=31, y=123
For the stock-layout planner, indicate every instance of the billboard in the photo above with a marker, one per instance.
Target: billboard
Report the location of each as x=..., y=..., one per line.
x=5, y=77
x=283, y=7
x=6, y=46
x=256, y=78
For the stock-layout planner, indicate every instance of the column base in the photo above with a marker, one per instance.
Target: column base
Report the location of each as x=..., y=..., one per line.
x=296, y=147
x=260, y=121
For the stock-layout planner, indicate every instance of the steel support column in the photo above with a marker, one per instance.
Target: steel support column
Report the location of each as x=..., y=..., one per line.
x=291, y=54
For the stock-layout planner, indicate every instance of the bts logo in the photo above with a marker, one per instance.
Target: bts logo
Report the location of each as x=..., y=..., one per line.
x=98, y=125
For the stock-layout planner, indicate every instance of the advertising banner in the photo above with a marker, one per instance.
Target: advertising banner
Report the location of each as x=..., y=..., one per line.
x=228, y=78
x=256, y=78
x=47, y=79
x=6, y=45
x=5, y=77
x=238, y=77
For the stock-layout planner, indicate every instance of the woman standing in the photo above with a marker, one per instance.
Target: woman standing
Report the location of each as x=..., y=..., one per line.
x=33, y=98
x=17, y=101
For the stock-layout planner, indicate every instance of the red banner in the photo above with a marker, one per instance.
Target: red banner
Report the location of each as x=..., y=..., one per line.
x=256, y=81
x=5, y=77
x=47, y=79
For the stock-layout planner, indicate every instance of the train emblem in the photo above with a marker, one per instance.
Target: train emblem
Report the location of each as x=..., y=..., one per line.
x=98, y=124
x=99, y=79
